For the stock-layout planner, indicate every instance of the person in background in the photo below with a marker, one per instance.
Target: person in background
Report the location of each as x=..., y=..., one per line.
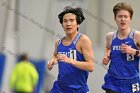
x=24, y=76
x=73, y=53
x=123, y=52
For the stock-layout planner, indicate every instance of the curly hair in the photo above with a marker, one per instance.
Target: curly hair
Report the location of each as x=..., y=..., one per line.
x=77, y=11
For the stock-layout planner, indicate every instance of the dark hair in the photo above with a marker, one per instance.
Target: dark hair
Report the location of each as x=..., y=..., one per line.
x=123, y=6
x=77, y=11
x=23, y=57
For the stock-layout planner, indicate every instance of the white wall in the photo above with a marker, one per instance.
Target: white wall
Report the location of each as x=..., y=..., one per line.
x=3, y=18
x=32, y=24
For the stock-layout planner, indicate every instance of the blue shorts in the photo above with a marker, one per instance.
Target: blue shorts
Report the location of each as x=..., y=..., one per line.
x=61, y=89
x=122, y=86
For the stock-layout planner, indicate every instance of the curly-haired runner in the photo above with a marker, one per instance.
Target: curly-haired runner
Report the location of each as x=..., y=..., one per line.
x=73, y=53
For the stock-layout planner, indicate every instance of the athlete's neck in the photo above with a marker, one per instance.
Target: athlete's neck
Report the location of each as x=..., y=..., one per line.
x=71, y=36
x=123, y=33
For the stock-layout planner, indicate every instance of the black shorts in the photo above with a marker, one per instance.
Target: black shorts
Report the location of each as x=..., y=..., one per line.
x=110, y=91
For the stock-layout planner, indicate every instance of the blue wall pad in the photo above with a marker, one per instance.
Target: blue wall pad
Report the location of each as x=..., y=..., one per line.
x=2, y=63
x=41, y=68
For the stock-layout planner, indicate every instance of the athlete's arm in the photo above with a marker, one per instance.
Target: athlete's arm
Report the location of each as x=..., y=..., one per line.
x=137, y=40
x=106, y=57
x=54, y=60
x=128, y=49
x=87, y=51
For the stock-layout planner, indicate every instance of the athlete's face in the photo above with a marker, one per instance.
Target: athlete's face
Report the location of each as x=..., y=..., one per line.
x=69, y=23
x=123, y=19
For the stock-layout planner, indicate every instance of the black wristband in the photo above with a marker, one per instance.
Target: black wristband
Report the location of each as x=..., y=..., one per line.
x=137, y=52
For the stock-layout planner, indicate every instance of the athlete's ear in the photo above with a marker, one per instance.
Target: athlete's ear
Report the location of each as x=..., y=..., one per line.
x=61, y=25
x=130, y=19
x=114, y=17
x=78, y=25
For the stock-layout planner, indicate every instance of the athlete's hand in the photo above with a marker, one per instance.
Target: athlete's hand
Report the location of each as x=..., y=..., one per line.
x=106, y=60
x=51, y=64
x=127, y=49
x=64, y=58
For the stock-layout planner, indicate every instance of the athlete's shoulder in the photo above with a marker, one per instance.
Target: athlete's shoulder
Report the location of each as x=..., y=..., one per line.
x=85, y=41
x=84, y=38
x=110, y=34
x=57, y=42
x=137, y=32
x=137, y=36
x=109, y=38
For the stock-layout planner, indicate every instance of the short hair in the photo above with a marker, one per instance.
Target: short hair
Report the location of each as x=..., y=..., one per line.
x=123, y=6
x=77, y=11
x=23, y=57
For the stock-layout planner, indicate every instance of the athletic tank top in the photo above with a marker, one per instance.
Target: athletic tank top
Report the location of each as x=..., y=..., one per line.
x=122, y=65
x=70, y=76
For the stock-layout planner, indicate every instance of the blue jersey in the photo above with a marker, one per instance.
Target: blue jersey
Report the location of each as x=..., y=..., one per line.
x=123, y=65
x=70, y=76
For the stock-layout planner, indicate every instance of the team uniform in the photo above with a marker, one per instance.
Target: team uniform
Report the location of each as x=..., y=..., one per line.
x=123, y=72
x=70, y=79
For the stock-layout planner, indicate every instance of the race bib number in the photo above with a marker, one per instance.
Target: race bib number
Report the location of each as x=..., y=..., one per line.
x=135, y=87
x=130, y=57
x=73, y=54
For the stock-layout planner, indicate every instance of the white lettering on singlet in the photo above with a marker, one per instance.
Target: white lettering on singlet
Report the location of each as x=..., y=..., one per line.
x=66, y=53
x=71, y=54
x=118, y=47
